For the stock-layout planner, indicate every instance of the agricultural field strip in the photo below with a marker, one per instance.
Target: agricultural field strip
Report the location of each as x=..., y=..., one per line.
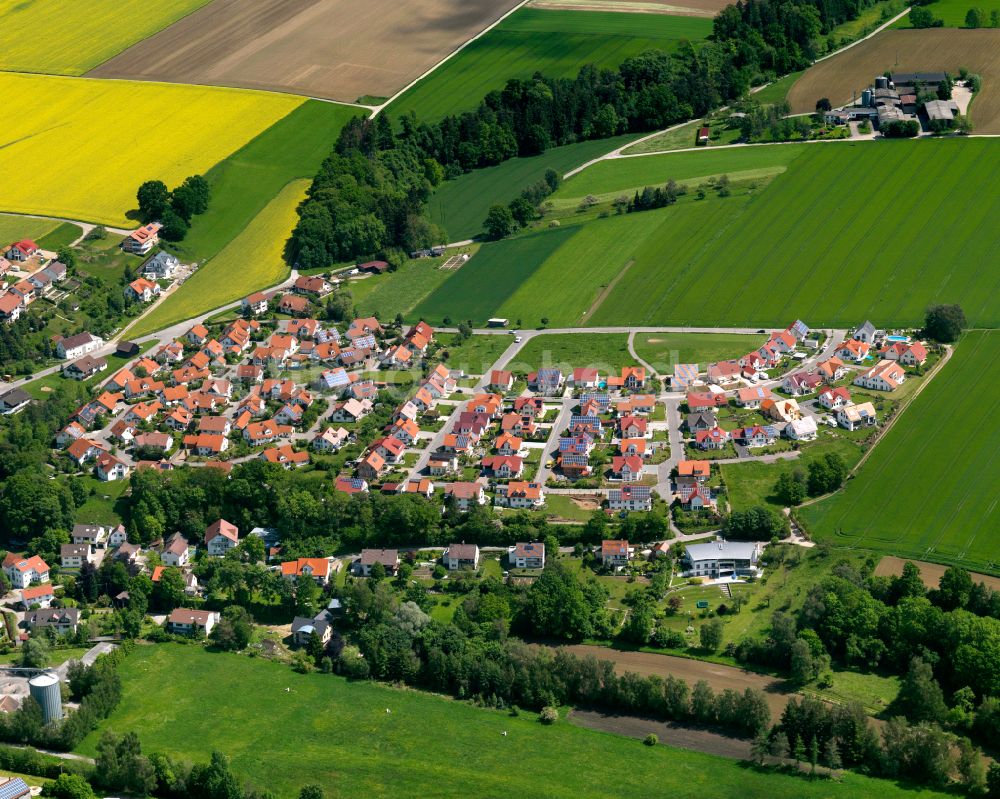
x=903, y=478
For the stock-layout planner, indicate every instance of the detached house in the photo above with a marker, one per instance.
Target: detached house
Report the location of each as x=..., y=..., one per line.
x=752, y=397
x=834, y=398
x=22, y=572
x=615, y=554
x=220, y=537
x=628, y=468
x=465, y=494
x=184, y=621
x=526, y=556
x=854, y=350
x=547, y=382
x=142, y=240
x=317, y=568
x=175, y=551
x=755, y=436
x=630, y=498
x=73, y=347
x=504, y=466
x=142, y=290
x=853, y=417
x=520, y=494
x=254, y=304
x=831, y=369
x=461, y=556
x=389, y=558
x=884, y=376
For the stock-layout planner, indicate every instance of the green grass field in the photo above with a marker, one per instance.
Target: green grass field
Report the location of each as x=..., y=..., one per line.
x=49, y=234
x=70, y=38
x=605, y=351
x=624, y=175
x=247, y=180
x=776, y=90
x=953, y=12
x=554, y=43
x=928, y=491
x=461, y=205
x=398, y=292
x=476, y=354
x=663, y=350
x=253, y=260
x=325, y=730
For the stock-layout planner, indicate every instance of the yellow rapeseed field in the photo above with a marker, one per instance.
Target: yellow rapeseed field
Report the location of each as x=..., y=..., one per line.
x=79, y=148
x=253, y=260
x=69, y=37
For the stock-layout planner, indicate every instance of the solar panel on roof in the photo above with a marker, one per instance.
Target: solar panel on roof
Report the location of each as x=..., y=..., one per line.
x=14, y=788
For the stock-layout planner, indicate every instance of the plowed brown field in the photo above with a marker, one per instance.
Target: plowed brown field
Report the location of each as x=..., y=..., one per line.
x=930, y=573
x=930, y=50
x=332, y=49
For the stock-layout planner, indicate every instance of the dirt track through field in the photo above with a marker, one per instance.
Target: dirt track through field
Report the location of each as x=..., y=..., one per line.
x=929, y=50
x=333, y=49
x=669, y=734
x=930, y=573
x=717, y=676
x=683, y=8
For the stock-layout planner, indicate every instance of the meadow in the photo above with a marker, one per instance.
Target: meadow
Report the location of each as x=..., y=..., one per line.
x=928, y=491
x=663, y=350
x=555, y=43
x=398, y=292
x=322, y=719
x=606, y=352
x=253, y=260
x=461, y=205
x=87, y=149
x=57, y=37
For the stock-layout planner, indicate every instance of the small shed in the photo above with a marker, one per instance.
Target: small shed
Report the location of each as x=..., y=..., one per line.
x=703, y=135
x=127, y=349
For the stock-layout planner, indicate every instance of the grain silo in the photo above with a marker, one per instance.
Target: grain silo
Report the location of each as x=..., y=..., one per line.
x=44, y=689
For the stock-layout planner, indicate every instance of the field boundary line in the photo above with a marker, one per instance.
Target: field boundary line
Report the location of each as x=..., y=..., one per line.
x=378, y=109
x=852, y=472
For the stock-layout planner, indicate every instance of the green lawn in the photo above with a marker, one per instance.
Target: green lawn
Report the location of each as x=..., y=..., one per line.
x=683, y=137
x=461, y=205
x=337, y=734
x=41, y=386
x=555, y=43
x=776, y=90
x=607, y=352
x=14, y=228
x=249, y=179
x=875, y=691
x=253, y=260
x=953, y=12
x=476, y=354
x=62, y=236
x=101, y=506
x=931, y=481
x=663, y=350
x=56, y=656
x=869, y=19
x=753, y=483
x=563, y=507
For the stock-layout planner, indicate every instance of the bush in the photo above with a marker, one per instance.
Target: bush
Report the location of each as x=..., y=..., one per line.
x=549, y=715
x=651, y=739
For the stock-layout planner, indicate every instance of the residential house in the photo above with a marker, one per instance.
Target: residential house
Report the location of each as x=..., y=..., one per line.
x=526, y=556
x=803, y=429
x=371, y=466
x=834, y=398
x=853, y=350
x=93, y=535
x=350, y=485
x=706, y=400
x=314, y=286
x=109, y=468
x=465, y=494
x=204, y=445
x=853, y=417
x=73, y=556
x=866, y=333
x=73, y=347
x=508, y=444
x=831, y=370
x=184, y=621
x=630, y=498
x=83, y=450
x=37, y=596
x=70, y=433
x=10, y=307
x=142, y=290
x=220, y=537
x=461, y=556
x=752, y=397
x=634, y=446
x=615, y=554
x=21, y=251
x=530, y=406
x=628, y=469
x=586, y=377
x=22, y=572
x=175, y=551
x=442, y=463
x=801, y=383
x=722, y=559
x=724, y=373
x=142, y=240
x=633, y=427
x=351, y=410
x=63, y=621
x=161, y=266
x=261, y=433
x=520, y=494
x=303, y=628
x=574, y=465
x=699, y=471
x=781, y=410
x=14, y=400
x=504, y=466
x=330, y=440
x=389, y=558
x=254, y=304
x=755, y=436
x=294, y=305
x=547, y=382
x=319, y=569
x=117, y=536
x=703, y=420
x=884, y=376
x=285, y=456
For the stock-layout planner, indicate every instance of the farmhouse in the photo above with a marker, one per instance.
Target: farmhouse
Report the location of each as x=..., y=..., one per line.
x=722, y=559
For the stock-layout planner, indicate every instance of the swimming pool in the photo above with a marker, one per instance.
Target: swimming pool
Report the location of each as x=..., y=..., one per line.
x=904, y=339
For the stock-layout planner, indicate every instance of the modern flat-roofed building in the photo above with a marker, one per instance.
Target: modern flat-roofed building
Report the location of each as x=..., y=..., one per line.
x=722, y=559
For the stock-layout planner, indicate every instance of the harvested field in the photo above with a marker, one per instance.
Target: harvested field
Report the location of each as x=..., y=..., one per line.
x=669, y=734
x=334, y=49
x=930, y=573
x=717, y=676
x=917, y=50
x=685, y=8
